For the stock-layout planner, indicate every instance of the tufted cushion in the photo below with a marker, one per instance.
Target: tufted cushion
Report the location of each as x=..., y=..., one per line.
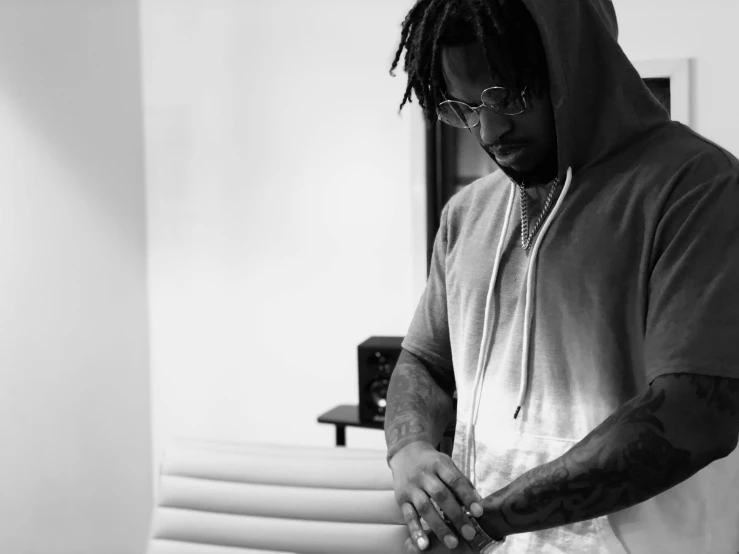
x=227, y=498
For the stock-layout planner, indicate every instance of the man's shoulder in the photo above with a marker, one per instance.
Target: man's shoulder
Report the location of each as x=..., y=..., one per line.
x=691, y=153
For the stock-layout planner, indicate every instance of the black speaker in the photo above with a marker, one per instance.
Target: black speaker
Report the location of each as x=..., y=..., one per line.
x=377, y=357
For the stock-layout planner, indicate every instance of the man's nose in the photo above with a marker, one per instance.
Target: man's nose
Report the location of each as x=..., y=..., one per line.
x=493, y=125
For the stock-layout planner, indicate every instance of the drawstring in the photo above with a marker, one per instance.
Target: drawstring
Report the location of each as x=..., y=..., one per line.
x=487, y=333
x=530, y=291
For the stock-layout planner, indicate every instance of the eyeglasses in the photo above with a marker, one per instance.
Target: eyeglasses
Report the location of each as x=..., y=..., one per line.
x=498, y=99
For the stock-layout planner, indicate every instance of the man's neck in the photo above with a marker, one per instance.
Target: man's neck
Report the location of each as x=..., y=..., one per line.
x=535, y=180
x=544, y=175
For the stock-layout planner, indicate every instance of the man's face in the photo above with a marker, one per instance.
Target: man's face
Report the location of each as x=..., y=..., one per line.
x=525, y=143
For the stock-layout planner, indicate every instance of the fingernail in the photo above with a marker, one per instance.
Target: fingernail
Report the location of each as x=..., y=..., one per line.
x=476, y=509
x=468, y=532
x=451, y=541
x=422, y=543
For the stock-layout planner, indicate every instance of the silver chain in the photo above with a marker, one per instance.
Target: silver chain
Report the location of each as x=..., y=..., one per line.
x=525, y=235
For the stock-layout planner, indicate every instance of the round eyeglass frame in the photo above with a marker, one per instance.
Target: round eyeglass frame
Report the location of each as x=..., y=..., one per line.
x=477, y=109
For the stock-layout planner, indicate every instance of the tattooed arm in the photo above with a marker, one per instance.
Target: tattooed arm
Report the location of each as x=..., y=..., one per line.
x=424, y=479
x=419, y=403
x=682, y=423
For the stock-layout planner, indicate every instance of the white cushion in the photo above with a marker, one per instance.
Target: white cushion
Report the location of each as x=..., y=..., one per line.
x=229, y=498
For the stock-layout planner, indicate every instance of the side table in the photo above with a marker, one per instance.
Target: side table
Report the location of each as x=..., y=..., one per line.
x=347, y=415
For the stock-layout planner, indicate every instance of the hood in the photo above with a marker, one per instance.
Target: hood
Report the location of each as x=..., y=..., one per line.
x=600, y=102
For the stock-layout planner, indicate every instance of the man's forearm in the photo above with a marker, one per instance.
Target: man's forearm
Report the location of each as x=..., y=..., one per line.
x=635, y=454
x=418, y=407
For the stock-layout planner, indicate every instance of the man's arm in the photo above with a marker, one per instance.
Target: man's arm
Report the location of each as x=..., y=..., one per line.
x=419, y=403
x=682, y=423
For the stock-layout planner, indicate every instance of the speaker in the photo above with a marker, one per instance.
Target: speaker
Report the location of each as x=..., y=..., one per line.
x=377, y=357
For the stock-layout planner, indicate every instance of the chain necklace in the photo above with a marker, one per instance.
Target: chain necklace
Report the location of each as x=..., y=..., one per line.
x=525, y=235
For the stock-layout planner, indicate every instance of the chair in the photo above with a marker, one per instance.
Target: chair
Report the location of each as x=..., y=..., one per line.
x=223, y=498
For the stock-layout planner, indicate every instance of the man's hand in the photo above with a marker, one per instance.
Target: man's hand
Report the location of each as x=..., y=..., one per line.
x=422, y=474
x=438, y=547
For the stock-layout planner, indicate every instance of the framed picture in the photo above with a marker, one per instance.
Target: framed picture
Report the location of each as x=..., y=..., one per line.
x=670, y=79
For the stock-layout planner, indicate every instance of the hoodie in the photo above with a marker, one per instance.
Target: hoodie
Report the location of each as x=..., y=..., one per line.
x=634, y=274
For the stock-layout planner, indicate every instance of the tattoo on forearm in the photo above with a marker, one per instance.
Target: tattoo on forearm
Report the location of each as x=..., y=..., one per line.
x=404, y=429
x=641, y=450
x=624, y=461
x=720, y=394
x=408, y=393
x=416, y=406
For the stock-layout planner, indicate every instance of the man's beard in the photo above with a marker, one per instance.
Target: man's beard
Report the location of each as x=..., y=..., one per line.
x=541, y=176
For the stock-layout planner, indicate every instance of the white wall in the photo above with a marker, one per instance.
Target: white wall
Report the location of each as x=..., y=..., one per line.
x=281, y=231
x=74, y=387
x=283, y=235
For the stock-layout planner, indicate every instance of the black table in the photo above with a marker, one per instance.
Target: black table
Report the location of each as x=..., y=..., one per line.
x=343, y=416
x=347, y=415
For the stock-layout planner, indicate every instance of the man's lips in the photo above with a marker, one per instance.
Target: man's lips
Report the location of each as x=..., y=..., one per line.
x=507, y=148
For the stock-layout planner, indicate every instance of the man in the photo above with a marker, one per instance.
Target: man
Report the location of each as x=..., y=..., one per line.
x=584, y=300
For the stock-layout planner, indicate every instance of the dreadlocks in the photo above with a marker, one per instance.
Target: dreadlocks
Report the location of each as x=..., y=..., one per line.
x=505, y=30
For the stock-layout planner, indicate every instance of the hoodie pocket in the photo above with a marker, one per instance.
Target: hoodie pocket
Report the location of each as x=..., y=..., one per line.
x=505, y=456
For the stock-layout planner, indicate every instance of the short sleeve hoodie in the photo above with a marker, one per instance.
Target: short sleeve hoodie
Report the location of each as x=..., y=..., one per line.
x=634, y=274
